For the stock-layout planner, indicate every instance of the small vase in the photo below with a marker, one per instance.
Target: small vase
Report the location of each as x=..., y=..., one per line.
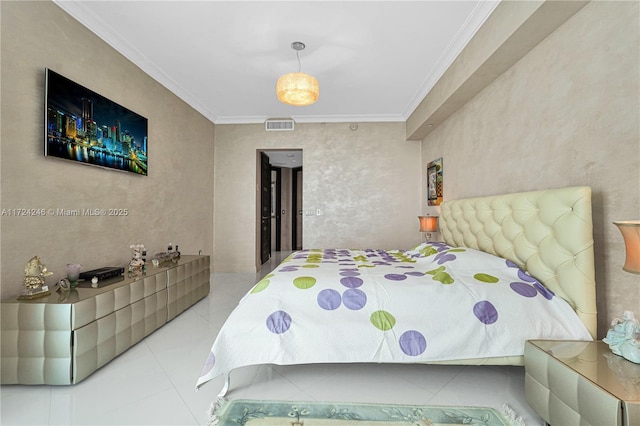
x=73, y=273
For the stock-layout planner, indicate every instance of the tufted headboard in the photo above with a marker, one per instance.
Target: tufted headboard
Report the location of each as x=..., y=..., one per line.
x=548, y=233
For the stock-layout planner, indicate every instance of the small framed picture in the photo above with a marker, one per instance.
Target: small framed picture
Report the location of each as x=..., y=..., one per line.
x=434, y=182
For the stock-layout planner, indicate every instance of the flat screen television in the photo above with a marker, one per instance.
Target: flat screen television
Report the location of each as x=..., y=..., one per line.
x=87, y=128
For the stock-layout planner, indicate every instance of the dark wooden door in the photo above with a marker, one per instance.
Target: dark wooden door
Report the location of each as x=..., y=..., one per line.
x=265, y=208
x=296, y=223
x=276, y=172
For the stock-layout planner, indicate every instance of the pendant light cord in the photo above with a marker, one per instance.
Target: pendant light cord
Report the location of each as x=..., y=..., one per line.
x=298, y=46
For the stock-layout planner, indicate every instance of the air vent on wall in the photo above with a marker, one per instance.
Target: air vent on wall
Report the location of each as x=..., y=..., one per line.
x=279, y=124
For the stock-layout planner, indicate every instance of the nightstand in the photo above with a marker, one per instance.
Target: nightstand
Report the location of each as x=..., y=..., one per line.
x=581, y=383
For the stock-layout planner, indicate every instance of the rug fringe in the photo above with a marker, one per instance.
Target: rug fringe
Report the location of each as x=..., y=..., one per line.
x=216, y=407
x=512, y=416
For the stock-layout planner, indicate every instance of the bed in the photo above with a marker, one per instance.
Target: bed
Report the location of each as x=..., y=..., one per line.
x=510, y=268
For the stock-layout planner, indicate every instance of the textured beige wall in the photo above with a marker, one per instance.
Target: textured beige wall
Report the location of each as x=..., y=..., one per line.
x=173, y=204
x=566, y=114
x=511, y=31
x=365, y=183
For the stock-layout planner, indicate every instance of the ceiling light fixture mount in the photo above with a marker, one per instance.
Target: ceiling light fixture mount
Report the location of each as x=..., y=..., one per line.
x=298, y=45
x=297, y=88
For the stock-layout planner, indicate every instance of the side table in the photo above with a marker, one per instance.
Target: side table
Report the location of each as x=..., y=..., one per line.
x=581, y=383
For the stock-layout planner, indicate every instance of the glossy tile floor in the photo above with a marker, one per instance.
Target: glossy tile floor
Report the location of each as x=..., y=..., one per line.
x=153, y=383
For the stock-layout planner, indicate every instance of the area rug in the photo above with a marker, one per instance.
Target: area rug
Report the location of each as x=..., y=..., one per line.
x=271, y=413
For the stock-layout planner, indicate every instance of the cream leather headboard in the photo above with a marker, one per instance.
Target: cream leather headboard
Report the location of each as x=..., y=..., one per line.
x=547, y=233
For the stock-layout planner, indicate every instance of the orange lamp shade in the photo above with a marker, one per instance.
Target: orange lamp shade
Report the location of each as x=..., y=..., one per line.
x=630, y=230
x=428, y=223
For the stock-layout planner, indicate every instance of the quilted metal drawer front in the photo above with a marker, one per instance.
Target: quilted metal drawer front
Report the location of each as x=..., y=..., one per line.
x=35, y=344
x=88, y=310
x=537, y=396
x=535, y=363
x=176, y=275
x=154, y=284
x=597, y=406
x=155, y=311
x=536, y=382
x=563, y=382
x=85, y=351
x=591, y=404
x=128, y=294
x=632, y=413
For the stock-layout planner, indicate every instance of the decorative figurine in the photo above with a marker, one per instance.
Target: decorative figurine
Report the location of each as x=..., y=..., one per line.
x=64, y=285
x=137, y=262
x=167, y=256
x=35, y=273
x=623, y=337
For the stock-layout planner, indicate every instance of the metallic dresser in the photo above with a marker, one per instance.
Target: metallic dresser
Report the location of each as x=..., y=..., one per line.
x=581, y=383
x=63, y=338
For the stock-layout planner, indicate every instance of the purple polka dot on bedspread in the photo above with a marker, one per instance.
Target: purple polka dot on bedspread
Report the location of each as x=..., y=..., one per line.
x=354, y=299
x=444, y=257
x=485, y=312
x=412, y=343
x=523, y=289
x=526, y=277
x=351, y=282
x=510, y=264
x=329, y=299
x=278, y=322
x=548, y=294
x=396, y=277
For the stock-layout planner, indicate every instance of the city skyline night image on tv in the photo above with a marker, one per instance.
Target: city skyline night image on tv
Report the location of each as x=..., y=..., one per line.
x=88, y=128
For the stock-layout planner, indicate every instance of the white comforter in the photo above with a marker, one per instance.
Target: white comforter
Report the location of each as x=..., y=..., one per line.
x=432, y=303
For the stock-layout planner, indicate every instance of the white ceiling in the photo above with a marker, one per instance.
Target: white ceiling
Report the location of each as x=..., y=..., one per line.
x=375, y=60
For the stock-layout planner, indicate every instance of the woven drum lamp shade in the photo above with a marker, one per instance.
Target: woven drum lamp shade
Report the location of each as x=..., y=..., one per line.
x=297, y=89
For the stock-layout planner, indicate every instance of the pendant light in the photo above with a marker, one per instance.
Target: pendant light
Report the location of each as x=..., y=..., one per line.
x=297, y=88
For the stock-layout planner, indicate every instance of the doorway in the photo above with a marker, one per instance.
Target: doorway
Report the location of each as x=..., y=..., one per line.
x=281, y=197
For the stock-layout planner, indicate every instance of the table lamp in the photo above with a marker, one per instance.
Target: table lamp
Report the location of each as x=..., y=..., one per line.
x=630, y=230
x=623, y=337
x=428, y=224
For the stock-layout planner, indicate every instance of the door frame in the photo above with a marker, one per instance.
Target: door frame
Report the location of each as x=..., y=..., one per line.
x=294, y=207
x=264, y=219
x=258, y=217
